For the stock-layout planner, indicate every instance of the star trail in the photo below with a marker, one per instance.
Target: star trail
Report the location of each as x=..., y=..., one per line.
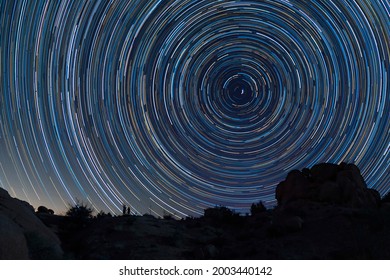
x=175, y=106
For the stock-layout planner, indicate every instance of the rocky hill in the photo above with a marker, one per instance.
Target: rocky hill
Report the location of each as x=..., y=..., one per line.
x=326, y=212
x=23, y=234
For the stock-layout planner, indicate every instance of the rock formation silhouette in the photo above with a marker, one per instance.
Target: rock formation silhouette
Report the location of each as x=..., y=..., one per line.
x=334, y=184
x=44, y=210
x=23, y=235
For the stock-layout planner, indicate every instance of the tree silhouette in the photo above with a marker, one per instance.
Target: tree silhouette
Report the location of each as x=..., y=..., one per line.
x=80, y=210
x=257, y=208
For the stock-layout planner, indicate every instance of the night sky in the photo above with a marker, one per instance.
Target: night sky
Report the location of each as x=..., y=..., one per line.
x=175, y=106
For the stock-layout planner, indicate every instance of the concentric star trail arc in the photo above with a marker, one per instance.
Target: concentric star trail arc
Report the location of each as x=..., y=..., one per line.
x=176, y=106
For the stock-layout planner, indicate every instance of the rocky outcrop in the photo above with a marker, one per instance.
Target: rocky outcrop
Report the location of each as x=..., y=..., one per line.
x=44, y=210
x=341, y=185
x=23, y=235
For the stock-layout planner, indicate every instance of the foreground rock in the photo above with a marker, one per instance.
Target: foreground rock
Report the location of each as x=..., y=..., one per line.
x=23, y=235
x=339, y=185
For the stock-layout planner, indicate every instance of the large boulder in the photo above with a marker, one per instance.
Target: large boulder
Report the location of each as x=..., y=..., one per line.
x=330, y=191
x=45, y=210
x=296, y=186
x=13, y=244
x=341, y=185
x=23, y=235
x=324, y=172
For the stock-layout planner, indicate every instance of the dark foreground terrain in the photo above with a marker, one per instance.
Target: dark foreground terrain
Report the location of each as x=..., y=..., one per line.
x=326, y=212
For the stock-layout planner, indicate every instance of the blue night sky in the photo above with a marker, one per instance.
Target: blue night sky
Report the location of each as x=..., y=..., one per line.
x=179, y=105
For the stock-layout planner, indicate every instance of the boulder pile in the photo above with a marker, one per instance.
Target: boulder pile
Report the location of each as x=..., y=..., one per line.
x=340, y=185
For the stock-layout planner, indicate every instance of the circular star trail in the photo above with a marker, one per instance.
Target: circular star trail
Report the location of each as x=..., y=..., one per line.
x=175, y=106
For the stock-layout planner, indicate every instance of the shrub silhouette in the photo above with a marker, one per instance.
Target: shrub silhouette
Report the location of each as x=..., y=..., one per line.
x=168, y=216
x=102, y=215
x=257, y=208
x=218, y=212
x=221, y=215
x=80, y=211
